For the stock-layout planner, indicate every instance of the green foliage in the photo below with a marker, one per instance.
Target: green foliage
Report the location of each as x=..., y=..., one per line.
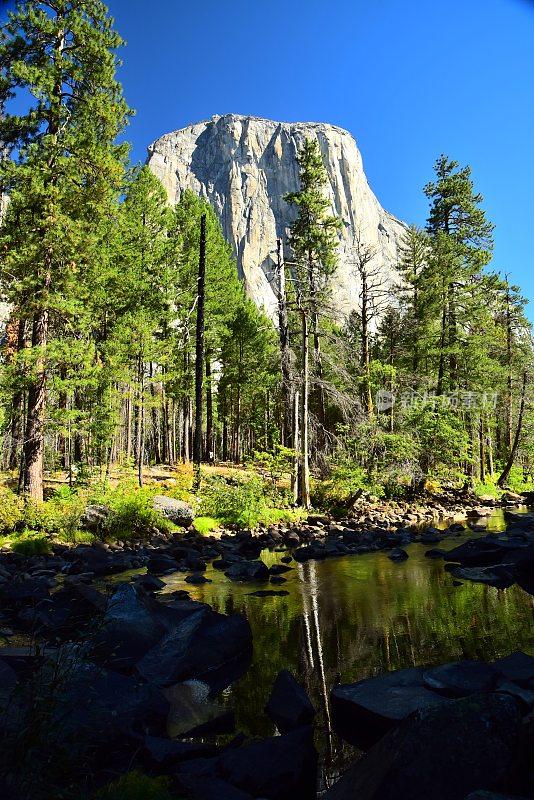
x=30, y=543
x=136, y=786
x=204, y=525
x=132, y=515
x=59, y=515
x=245, y=502
x=11, y=510
x=344, y=480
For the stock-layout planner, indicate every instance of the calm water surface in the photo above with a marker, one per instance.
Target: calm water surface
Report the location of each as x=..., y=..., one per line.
x=351, y=617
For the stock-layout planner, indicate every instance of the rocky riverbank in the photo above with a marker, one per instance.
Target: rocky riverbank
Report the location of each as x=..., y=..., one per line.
x=134, y=676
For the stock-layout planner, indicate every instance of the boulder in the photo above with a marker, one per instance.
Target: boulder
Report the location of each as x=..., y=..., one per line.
x=245, y=571
x=177, y=511
x=517, y=667
x=161, y=563
x=164, y=753
x=477, y=553
x=128, y=630
x=277, y=768
x=98, y=705
x=442, y=752
x=398, y=554
x=289, y=706
x=206, y=788
x=94, y=518
x=193, y=714
x=205, y=646
x=498, y=576
x=363, y=712
x=461, y=678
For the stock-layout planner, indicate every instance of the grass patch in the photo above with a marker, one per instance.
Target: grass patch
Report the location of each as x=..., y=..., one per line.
x=204, y=525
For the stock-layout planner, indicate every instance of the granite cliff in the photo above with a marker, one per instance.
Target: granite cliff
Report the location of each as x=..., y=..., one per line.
x=245, y=165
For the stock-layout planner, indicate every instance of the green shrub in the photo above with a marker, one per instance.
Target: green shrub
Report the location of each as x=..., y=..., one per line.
x=205, y=524
x=60, y=515
x=136, y=786
x=11, y=510
x=132, y=514
x=245, y=502
x=31, y=544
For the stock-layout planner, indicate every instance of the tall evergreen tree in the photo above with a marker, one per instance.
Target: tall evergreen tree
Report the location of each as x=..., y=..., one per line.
x=64, y=175
x=313, y=241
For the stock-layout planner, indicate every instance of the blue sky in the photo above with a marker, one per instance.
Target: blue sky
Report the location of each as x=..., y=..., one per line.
x=408, y=78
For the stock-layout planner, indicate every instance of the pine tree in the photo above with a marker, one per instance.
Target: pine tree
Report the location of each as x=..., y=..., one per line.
x=313, y=241
x=65, y=173
x=462, y=242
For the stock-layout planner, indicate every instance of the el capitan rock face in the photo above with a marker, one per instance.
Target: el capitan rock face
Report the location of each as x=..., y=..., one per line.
x=245, y=165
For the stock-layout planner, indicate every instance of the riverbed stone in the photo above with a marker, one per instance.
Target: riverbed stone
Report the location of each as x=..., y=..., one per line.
x=517, y=667
x=128, y=630
x=177, y=511
x=364, y=711
x=276, y=768
x=461, y=678
x=498, y=576
x=205, y=645
x=442, y=752
x=289, y=706
x=244, y=571
x=398, y=554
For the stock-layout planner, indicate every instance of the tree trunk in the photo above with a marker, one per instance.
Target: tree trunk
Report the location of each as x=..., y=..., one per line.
x=285, y=353
x=141, y=423
x=33, y=449
x=482, y=449
x=509, y=464
x=210, y=442
x=365, y=358
x=304, y=477
x=17, y=404
x=199, y=352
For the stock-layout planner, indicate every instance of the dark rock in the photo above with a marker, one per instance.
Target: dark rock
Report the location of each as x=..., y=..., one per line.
x=477, y=553
x=277, y=579
x=524, y=569
x=277, y=768
x=193, y=714
x=150, y=583
x=461, y=678
x=167, y=752
x=128, y=630
x=443, y=753
x=8, y=681
x=498, y=576
x=279, y=569
x=363, y=712
x=161, y=563
x=248, y=571
x=205, y=788
x=16, y=593
x=289, y=706
x=269, y=593
x=398, y=554
x=197, y=579
x=481, y=794
x=98, y=704
x=176, y=511
x=517, y=667
x=207, y=646
x=287, y=559
x=309, y=552
x=436, y=553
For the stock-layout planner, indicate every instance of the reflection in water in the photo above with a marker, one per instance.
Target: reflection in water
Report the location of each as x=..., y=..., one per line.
x=350, y=617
